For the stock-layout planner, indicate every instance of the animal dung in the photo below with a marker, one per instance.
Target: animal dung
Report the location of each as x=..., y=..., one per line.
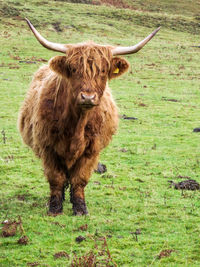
x=23, y=240
x=185, y=185
x=80, y=239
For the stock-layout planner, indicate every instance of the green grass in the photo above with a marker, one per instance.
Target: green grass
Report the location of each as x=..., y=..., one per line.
x=161, y=145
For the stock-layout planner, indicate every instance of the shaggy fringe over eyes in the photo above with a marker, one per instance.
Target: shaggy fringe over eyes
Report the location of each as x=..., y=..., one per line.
x=89, y=58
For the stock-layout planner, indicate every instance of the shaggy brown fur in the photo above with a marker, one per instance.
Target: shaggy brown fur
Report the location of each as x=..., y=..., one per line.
x=69, y=116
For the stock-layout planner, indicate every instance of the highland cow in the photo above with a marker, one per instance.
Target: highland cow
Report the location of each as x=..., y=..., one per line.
x=69, y=114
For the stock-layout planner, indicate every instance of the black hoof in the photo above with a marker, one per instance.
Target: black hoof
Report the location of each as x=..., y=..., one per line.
x=55, y=205
x=79, y=207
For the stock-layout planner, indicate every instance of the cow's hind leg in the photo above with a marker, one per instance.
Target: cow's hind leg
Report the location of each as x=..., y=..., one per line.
x=79, y=177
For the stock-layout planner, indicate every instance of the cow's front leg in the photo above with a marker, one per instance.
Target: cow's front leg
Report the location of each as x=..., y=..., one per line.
x=77, y=198
x=79, y=177
x=57, y=182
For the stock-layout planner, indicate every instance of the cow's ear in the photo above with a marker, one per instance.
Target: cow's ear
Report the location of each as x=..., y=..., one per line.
x=118, y=67
x=59, y=65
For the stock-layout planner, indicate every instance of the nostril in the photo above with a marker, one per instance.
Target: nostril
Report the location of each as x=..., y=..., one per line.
x=93, y=97
x=83, y=96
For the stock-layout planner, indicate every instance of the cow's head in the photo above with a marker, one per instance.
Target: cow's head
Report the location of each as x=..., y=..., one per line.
x=87, y=67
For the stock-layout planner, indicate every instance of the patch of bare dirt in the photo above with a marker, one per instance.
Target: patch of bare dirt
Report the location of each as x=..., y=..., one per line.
x=77, y=1
x=101, y=255
x=33, y=264
x=183, y=177
x=124, y=150
x=165, y=253
x=9, y=65
x=27, y=60
x=23, y=240
x=59, y=224
x=124, y=188
x=88, y=260
x=140, y=104
x=61, y=254
x=9, y=228
x=21, y=197
x=170, y=99
x=57, y=26
x=83, y=227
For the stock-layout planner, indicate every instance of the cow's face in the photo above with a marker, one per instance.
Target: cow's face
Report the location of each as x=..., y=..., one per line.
x=87, y=69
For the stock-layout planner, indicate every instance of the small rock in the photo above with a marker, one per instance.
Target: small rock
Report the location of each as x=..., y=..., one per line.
x=196, y=130
x=128, y=118
x=101, y=168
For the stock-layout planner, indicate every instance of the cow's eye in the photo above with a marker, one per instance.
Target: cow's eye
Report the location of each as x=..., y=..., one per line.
x=73, y=70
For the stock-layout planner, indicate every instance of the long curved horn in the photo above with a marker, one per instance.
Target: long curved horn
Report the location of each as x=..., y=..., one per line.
x=133, y=49
x=44, y=42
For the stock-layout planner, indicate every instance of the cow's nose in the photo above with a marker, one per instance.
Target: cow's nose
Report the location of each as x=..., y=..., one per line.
x=88, y=97
x=87, y=100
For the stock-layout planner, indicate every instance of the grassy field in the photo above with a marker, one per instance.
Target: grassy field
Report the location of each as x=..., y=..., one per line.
x=135, y=218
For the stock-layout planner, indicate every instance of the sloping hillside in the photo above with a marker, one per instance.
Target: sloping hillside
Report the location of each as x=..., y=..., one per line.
x=178, y=15
x=136, y=217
